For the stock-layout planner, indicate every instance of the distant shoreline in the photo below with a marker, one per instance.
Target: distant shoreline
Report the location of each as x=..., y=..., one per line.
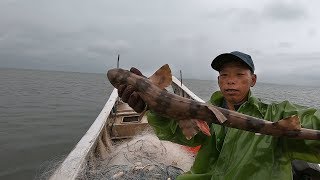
x=191, y=79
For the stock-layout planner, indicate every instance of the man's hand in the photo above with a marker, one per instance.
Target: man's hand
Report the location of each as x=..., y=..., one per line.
x=128, y=95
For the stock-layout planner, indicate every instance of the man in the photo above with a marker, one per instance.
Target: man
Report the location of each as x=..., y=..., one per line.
x=232, y=153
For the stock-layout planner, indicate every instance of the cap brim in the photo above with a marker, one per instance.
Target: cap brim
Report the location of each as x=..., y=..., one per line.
x=218, y=61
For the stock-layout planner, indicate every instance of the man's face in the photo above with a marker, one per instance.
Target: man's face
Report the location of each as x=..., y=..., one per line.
x=235, y=80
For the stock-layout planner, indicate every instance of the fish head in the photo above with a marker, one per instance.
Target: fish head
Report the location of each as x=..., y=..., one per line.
x=117, y=76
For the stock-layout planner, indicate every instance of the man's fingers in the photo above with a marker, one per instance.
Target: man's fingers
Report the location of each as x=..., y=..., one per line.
x=126, y=93
x=140, y=105
x=136, y=102
x=133, y=99
x=121, y=89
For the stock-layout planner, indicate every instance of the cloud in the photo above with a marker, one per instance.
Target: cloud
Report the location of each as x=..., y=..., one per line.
x=312, y=32
x=109, y=47
x=87, y=36
x=285, y=44
x=238, y=16
x=285, y=11
x=289, y=68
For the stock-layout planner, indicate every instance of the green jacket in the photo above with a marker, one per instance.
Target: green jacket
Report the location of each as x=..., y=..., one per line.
x=236, y=154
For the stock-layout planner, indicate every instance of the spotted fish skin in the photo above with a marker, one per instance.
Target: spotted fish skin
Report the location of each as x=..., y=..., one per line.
x=179, y=108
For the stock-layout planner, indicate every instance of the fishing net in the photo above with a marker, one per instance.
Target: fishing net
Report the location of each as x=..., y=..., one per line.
x=47, y=168
x=144, y=157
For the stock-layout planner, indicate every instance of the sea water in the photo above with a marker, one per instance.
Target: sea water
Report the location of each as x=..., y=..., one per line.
x=43, y=114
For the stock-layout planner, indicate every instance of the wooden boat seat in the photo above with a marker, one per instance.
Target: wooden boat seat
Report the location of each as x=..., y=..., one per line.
x=127, y=122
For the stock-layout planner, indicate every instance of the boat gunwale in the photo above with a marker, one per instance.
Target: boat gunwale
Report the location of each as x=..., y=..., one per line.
x=72, y=165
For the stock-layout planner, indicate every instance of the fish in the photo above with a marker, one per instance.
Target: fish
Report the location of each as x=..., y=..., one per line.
x=193, y=113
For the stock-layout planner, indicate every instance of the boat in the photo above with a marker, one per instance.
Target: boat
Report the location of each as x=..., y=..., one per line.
x=117, y=122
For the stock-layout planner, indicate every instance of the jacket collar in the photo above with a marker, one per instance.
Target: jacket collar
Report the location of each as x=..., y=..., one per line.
x=218, y=99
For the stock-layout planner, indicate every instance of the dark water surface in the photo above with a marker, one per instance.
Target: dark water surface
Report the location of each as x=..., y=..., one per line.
x=43, y=114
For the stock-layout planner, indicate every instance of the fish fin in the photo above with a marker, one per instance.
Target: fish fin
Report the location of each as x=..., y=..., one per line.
x=162, y=77
x=289, y=123
x=220, y=117
x=191, y=127
x=203, y=126
x=188, y=127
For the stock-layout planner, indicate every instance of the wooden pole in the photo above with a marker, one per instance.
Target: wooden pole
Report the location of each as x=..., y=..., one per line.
x=181, y=77
x=118, y=61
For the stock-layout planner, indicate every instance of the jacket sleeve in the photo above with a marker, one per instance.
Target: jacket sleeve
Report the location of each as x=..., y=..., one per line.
x=307, y=150
x=168, y=129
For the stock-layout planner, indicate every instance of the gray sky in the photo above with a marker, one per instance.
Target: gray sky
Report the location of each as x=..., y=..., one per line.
x=85, y=36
